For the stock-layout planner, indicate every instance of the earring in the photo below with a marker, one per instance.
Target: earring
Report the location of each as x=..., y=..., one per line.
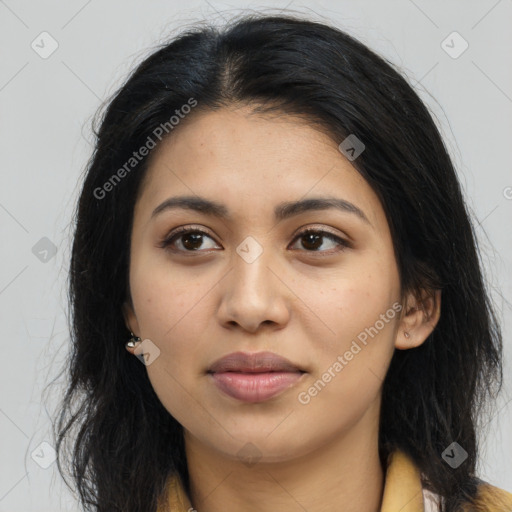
x=406, y=334
x=133, y=340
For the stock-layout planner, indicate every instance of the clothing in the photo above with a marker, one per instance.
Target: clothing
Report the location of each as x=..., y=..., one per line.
x=403, y=492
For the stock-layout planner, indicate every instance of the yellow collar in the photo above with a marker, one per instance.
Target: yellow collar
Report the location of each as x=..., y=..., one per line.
x=402, y=490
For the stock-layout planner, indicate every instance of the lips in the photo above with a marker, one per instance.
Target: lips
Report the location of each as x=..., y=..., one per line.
x=254, y=377
x=258, y=362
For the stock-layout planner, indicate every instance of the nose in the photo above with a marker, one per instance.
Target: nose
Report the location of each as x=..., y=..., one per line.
x=254, y=295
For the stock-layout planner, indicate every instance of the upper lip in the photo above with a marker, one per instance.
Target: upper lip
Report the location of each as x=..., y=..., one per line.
x=258, y=362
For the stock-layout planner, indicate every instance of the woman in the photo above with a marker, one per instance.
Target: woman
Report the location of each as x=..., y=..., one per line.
x=276, y=293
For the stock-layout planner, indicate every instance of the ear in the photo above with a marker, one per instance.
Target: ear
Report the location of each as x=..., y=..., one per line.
x=131, y=321
x=419, y=318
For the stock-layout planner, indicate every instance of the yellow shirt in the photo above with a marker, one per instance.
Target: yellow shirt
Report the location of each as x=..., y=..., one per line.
x=403, y=492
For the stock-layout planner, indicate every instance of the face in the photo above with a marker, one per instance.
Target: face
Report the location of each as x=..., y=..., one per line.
x=247, y=277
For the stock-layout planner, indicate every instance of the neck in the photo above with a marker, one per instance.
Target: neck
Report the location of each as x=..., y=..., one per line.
x=344, y=474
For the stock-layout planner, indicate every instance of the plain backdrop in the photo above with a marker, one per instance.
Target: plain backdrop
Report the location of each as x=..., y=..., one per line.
x=47, y=103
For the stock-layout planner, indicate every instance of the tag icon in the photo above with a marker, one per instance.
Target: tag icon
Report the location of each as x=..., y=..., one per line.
x=249, y=454
x=147, y=352
x=454, y=45
x=249, y=250
x=454, y=455
x=44, y=250
x=44, y=455
x=44, y=45
x=352, y=147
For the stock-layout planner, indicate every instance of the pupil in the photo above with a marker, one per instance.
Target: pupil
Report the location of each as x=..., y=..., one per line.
x=195, y=237
x=312, y=239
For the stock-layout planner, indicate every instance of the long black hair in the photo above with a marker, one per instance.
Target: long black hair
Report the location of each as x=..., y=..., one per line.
x=124, y=442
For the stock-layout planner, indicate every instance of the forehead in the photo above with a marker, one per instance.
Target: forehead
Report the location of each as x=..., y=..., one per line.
x=253, y=161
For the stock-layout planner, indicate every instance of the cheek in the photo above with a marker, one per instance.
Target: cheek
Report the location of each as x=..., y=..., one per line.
x=350, y=371
x=361, y=308
x=355, y=296
x=165, y=298
x=172, y=311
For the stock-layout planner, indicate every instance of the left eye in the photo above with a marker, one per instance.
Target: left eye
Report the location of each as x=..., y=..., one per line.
x=313, y=239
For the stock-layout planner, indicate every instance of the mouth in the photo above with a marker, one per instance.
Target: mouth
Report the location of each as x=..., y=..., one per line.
x=255, y=377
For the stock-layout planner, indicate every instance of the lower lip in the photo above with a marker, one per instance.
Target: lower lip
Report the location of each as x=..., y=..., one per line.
x=255, y=387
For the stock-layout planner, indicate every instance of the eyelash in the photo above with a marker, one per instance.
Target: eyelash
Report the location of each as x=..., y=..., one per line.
x=166, y=243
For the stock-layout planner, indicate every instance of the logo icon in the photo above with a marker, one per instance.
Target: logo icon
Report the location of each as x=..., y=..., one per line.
x=147, y=352
x=352, y=147
x=44, y=45
x=44, y=250
x=44, y=455
x=249, y=250
x=454, y=45
x=249, y=454
x=454, y=455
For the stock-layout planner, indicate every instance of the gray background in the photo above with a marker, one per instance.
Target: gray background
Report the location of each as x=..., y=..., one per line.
x=46, y=108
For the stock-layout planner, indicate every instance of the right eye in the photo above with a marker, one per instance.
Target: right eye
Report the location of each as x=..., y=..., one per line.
x=186, y=240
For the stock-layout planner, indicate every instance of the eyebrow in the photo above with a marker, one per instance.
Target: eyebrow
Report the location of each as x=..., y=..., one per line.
x=281, y=212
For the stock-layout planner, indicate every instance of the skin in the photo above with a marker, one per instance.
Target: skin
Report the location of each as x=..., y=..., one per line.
x=304, y=304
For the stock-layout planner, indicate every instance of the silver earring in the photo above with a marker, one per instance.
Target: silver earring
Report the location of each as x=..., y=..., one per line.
x=133, y=340
x=406, y=334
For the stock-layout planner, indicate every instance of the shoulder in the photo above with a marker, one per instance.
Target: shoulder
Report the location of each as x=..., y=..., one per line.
x=488, y=499
x=491, y=499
